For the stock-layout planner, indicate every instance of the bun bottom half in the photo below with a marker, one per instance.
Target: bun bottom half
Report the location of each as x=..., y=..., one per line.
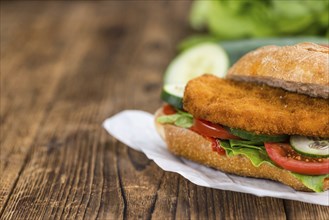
x=192, y=146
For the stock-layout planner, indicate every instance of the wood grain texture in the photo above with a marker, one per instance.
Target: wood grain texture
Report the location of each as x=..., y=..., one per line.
x=65, y=67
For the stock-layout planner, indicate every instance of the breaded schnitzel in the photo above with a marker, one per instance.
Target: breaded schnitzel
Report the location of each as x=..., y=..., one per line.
x=256, y=108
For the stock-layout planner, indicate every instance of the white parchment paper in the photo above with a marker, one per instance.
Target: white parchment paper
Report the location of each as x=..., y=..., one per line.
x=137, y=130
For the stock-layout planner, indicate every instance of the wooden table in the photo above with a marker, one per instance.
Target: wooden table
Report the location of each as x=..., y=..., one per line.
x=65, y=67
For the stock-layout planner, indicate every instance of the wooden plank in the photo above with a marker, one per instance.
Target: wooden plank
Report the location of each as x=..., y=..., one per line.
x=70, y=59
x=26, y=88
x=73, y=179
x=301, y=210
x=186, y=200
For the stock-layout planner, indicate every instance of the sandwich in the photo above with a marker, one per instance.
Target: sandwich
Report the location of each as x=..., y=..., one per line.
x=269, y=118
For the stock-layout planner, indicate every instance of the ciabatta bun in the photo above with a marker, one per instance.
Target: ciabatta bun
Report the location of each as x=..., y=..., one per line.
x=190, y=145
x=302, y=68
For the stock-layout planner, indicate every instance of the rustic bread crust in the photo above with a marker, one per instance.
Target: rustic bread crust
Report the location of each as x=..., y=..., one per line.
x=190, y=145
x=302, y=68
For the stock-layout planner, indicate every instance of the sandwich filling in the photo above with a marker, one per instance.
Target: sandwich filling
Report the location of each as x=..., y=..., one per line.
x=264, y=124
x=276, y=150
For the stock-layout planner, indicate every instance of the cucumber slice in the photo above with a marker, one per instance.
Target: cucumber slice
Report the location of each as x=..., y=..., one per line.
x=258, y=137
x=202, y=58
x=314, y=147
x=173, y=95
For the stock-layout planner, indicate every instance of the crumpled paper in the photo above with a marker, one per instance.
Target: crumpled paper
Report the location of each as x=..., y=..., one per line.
x=137, y=130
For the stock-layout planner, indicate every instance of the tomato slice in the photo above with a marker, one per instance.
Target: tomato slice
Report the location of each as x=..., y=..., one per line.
x=168, y=110
x=216, y=147
x=214, y=143
x=286, y=157
x=209, y=129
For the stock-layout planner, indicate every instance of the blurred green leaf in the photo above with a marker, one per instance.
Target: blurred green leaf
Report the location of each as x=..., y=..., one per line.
x=260, y=18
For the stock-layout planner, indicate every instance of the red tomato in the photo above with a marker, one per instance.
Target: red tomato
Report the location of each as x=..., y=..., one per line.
x=209, y=129
x=286, y=157
x=214, y=143
x=168, y=110
x=216, y=147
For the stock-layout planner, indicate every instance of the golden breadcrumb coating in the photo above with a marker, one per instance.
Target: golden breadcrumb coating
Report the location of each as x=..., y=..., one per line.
x=256, y=108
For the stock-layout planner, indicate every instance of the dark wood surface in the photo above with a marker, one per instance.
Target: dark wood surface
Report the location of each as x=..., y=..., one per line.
x=65, y=67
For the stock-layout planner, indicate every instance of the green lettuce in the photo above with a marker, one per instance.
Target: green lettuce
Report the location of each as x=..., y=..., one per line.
x=248, y=144
x=258, y=18
x=257, y=155
x=180, y=119
x=312, y=182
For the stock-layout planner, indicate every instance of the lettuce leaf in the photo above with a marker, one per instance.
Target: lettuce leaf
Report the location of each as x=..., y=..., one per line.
x=312, y=182
x=248, y=144
x=258, y=156
x=255, y=154
x=257, y=18
x=180, y=119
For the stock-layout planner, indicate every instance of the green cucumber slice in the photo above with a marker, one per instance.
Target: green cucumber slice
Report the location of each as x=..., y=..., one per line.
x=314, y=147
x=173, y=95
x=203, y=58
x=258, y=137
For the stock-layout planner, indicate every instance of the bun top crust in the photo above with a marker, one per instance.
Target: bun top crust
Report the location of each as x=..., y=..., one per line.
x=290, y=67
